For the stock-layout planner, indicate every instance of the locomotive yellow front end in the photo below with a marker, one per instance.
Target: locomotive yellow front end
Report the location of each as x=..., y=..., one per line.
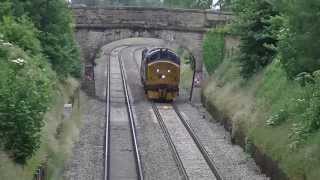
x=160, y=74
x=163, y=80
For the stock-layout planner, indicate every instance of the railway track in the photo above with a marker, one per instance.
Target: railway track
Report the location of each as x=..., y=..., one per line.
x=191, y=156
x=122, y=159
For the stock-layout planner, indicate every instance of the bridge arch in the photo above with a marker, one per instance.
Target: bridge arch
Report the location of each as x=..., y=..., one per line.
x=95, y=79
x=92, y=40
x=96, y=27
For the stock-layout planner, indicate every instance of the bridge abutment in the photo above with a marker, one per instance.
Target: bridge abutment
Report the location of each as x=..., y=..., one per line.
x=96, y=27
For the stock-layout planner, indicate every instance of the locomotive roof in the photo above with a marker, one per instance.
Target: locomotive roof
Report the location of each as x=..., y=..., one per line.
x=162, y=53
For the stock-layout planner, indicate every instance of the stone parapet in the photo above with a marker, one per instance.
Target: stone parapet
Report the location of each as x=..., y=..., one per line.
x=148, y=18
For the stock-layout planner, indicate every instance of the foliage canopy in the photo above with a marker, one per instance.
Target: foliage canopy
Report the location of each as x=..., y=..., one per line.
x=253, y=25
x=35, y=36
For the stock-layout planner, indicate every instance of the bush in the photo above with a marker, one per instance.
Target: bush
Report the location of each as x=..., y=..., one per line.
x=197, y=4
x=311, y=115
x=32, y=33
x=302, y=108
x=25, y=90
x=54, y=21
x=213, y=49
x=58, y=40
x=299, y=36
x=22, y=33
x=253, y=25
x=5, y=8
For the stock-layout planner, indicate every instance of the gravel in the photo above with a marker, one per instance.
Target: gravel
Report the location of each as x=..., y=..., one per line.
x=157, y=160
x=191, y=157
x=87, y=160
x=232, y=162
x=122, y=157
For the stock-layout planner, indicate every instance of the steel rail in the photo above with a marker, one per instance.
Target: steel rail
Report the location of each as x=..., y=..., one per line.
x=200, y=146
x=107, y=124
x=134, y=53
x=131, y=119
x=166, y=133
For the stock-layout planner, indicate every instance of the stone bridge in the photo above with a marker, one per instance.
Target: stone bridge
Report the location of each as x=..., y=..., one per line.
x=96, y=27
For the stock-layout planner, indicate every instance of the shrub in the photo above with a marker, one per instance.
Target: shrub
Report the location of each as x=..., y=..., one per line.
x=25, y=91
x=22, y=33
x=303, y=109
x=253, y=25
x=53, y=19
x=278, y=118
x=299, y=36
x=5, y=8
x=197, y=4
x=213, y=49
x=312, y=114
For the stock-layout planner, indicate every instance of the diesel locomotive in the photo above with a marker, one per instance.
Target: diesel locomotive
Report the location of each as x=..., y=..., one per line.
x=160, y=74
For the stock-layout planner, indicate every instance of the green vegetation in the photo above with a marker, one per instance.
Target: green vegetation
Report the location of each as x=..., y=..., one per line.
x=290, y=24
x=195, y=4
x=271, y=88
x=299, y=36
x=213, y=49
x=37, y=48
x=58, y=134
x=186, y=71
x=274, y=112
x=253, y=22
x=25, y=91
x=54, y=22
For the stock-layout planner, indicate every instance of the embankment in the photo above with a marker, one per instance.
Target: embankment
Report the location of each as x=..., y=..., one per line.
x=61, y=129
x=245, y=107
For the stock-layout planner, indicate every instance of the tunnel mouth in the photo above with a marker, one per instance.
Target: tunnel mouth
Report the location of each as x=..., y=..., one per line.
x=187, y=64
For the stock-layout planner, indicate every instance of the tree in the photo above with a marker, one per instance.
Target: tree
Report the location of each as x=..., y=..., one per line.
x=299, y=36
x=198, y=4
x=54, y=20
x=253, y=25
x=25, y=88
x=32, y=34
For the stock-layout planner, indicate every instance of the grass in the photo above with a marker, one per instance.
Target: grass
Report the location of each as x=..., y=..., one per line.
x=250, y=103
x=58, y=136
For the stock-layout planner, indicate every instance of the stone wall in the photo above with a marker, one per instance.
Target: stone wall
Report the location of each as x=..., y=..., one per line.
x=150, y=18
x=99, y=26
x=91, y=40
x=96, y=27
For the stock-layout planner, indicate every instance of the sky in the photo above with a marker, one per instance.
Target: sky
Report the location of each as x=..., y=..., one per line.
x=213, y=3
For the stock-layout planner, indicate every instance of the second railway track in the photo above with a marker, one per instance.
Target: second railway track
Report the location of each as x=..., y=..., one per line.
x=191, y=156
x=122, y=159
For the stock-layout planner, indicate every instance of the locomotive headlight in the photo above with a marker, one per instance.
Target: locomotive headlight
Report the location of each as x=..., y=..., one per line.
x=163, y=76
x=158, y=70
x=169, y=71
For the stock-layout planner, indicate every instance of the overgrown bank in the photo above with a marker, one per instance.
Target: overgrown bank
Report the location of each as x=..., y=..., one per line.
x=268, y=91
x=38, y=54
x=61, y=128
x=250, y=106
